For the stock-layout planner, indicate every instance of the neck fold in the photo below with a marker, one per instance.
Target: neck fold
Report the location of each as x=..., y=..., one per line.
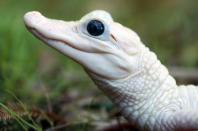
x=140, y=95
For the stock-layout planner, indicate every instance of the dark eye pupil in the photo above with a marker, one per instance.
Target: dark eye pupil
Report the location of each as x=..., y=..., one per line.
x=95, y=27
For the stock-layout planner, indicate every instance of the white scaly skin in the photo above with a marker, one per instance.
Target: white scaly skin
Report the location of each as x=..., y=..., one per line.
x=124, y=69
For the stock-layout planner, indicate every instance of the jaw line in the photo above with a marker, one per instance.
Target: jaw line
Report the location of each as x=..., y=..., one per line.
x=48, y=40
x=45, y=39
x=53, y=43
x=61, y=45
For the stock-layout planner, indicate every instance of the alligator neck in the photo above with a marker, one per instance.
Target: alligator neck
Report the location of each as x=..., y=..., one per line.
x=139, y=95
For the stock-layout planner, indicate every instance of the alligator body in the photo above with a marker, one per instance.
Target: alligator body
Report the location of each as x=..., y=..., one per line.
x=123, y=68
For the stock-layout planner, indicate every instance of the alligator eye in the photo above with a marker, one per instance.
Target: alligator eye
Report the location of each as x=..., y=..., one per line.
x=95, y=28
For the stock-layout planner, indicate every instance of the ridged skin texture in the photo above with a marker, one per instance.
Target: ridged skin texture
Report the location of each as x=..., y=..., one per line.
x=150, y=99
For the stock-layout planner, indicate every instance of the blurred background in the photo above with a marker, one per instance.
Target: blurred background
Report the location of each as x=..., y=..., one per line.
x=49, y=91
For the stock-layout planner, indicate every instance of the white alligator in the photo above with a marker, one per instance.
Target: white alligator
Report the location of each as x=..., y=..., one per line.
x=123, y=68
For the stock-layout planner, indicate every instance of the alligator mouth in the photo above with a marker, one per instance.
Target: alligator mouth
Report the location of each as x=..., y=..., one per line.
x=46, y=39
x=35, y=20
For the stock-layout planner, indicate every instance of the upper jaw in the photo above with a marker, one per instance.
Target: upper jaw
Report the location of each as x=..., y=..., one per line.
x=50, y=29
x=64, y=31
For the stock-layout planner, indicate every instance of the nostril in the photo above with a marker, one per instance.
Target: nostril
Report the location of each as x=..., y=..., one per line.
x=32, y=18
x=34, y=13
x=31, y=14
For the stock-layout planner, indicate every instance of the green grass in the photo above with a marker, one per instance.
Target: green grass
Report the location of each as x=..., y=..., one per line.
x=23, y=123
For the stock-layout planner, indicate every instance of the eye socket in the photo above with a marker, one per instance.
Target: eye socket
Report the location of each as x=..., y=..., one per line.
x=95, y=28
